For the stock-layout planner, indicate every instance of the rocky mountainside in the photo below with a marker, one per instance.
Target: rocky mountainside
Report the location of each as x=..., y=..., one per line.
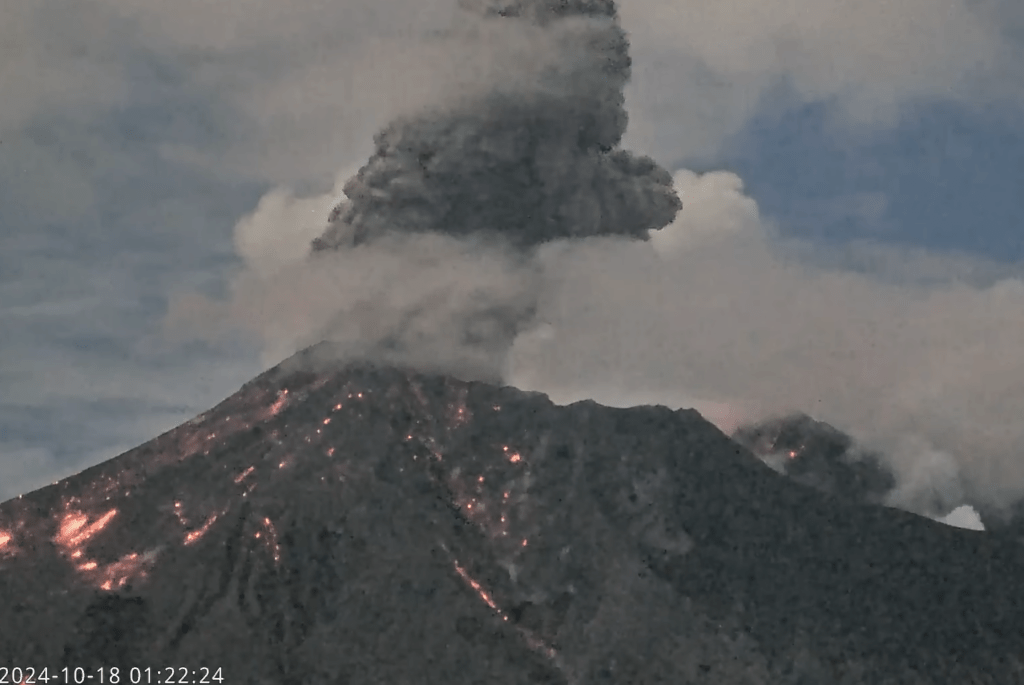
x=376, y=525
x=820, y=456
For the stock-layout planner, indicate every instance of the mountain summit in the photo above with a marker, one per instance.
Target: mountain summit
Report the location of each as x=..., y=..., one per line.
x=370, y=524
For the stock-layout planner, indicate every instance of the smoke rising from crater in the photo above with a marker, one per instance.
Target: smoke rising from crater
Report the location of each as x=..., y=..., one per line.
x=454, y=199
x=505, y=236
x=916, y=355
x=429, y=259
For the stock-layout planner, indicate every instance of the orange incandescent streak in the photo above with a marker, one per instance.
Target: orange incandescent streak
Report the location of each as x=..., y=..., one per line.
x=200, y=532
x=240, y=477
x=275, y=549
x=532, y=640
x=275, y=408
x=484, y=595
x=73, y=531
x=121, y=571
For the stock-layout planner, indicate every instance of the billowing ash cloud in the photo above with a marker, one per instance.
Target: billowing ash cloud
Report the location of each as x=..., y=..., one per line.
x=502, y=236
x=532, y=164
x=430, y=259
x=914, y=355
x=541, y=11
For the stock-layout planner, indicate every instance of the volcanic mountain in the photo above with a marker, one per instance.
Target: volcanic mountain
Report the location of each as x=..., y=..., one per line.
x=818, y=455
x=368, y=524
x=821, y=456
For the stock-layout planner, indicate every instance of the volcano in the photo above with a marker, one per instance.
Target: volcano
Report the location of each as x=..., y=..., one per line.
x=371, y=524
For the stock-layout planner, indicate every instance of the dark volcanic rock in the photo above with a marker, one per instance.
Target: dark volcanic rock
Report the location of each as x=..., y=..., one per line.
x=1007, y=521
x=373, y=525
x=818, y=455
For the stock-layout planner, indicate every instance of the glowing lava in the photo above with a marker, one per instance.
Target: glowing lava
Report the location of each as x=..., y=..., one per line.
x=275, y=549
x=74, y=533
x=484, y=595
x=240, y=477
x=200, y=532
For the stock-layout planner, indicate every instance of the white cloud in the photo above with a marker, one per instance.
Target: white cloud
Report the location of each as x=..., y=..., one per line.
x=730, y=317
x=963, y=517
x=279, y=231
x=715, y=209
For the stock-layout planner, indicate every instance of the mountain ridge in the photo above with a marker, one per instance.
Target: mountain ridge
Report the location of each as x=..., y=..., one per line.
x=374, y=524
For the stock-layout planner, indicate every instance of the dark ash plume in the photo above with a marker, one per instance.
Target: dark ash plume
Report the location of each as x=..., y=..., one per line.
x=542, y=11
x=533, y=162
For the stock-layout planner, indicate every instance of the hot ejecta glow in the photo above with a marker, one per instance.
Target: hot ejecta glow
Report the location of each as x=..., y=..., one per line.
x=504, y=235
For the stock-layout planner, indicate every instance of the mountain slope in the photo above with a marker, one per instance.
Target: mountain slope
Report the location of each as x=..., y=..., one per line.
x=375, y=525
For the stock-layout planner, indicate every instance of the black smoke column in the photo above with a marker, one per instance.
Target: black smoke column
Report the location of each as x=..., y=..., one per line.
x=531, y=163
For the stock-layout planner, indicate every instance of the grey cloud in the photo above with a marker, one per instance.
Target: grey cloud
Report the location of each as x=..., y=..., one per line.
x=526, y=169
x=530, y=159
x=428, y=261
x=71, y=403
x=295, y=90
x=58, y=57
x=704, y=68
x=26, y=468
x=429, y=300
x=715, y=310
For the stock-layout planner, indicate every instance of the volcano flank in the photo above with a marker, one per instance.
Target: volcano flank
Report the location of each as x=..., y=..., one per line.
x=370, y=524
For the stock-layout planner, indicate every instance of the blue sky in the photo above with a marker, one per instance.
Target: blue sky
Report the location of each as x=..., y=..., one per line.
x=943, y=177
x=137, y=135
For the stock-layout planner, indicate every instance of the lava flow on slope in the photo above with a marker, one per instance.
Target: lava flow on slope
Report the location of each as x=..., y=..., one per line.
x=374, y=525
